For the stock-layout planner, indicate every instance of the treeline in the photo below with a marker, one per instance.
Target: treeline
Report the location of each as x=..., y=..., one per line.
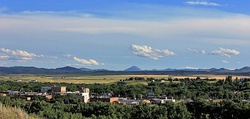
x=200, y=109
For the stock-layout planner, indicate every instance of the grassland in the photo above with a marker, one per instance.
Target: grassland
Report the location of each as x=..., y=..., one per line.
x=103, y=79
x=14, y=113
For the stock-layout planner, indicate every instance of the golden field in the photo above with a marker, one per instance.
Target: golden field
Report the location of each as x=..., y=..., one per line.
x=103, y=79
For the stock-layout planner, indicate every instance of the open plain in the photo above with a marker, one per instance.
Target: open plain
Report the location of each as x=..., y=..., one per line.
x=101, y=79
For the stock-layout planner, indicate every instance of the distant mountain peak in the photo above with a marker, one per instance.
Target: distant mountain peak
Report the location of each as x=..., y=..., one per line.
x=68, y=68
x=133, y=68
x=244, y=69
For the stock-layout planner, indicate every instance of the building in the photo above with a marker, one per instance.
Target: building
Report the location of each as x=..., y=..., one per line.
x=131, y=102
x=57, y=89
x=85, y=94
x=45, y=89
x=13, y=93
x=104, y=99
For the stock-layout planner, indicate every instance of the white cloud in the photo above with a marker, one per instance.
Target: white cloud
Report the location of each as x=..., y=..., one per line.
x=190, y=67
x=4, y=57
x=146, y=51
x=196, y=51
x=225, y=52
x=224, y=61
x=87, y=62
x=18, y=55
x=204, y=3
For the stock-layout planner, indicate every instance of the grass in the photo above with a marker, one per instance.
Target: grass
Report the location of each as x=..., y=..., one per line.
x=102, y=79
x=136, y=82
x=14, y=113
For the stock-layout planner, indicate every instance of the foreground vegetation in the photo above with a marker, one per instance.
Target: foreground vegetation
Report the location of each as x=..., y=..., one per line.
x=14, y=113
x=233, y=94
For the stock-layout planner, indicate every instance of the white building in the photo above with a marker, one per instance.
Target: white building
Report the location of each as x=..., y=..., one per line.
x=85, y=94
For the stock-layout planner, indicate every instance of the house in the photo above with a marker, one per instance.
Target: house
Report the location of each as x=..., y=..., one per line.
x=150, y=93
x=13, y=93
x=162, y=100
x=131, y=102
x=45, y=89
x=157, y=101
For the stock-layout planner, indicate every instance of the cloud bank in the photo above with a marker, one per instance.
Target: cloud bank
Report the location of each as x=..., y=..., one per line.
x=146, y=51
x=18, y=55
x=225, y=52
x=204, y=3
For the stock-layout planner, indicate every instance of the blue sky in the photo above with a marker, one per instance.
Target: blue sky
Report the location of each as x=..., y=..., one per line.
x=116, y=34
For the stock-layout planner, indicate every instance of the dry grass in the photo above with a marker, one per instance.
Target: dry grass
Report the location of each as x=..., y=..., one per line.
x=218, y=77
x=13, y=113
x=102, y=79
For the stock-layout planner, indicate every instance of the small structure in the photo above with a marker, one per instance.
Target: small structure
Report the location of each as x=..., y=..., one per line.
x=33, y=80
x=48, y=96
x=17, y=80
x=28, y=98
x=3, y=94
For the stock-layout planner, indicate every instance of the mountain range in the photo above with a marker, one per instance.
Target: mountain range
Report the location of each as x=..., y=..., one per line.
x=68, y=69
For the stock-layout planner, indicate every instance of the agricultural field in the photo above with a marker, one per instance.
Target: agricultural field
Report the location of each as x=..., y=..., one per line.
x=102, y=79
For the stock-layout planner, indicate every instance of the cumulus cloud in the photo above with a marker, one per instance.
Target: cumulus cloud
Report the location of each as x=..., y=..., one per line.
x=196, y=51
x=204, y=3
x=87, y=62
x=146, y=51
x=225, y=52
x=18, y=55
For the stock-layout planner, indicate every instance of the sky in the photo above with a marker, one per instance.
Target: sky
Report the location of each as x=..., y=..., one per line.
x=115, y=35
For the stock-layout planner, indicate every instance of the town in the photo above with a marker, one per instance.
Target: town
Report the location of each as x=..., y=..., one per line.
x=174, y=97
